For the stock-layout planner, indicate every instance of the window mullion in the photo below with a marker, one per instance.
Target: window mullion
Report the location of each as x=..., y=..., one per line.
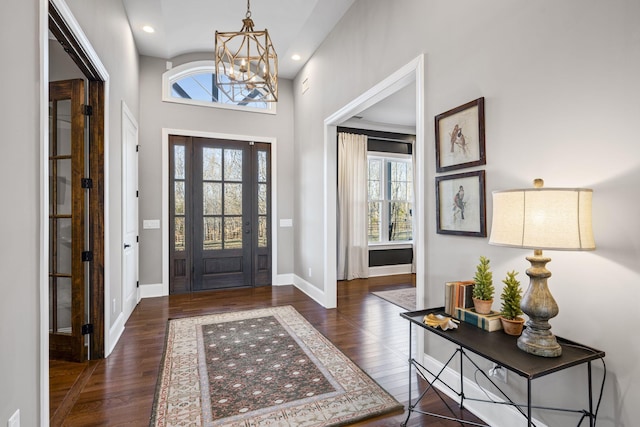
x=386, y=196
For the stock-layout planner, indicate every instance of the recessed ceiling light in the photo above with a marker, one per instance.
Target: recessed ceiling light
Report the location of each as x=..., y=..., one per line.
x=295, y=57
x=148, y=29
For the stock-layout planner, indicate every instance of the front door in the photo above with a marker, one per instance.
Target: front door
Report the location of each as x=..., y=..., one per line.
x=220, y=214
x=67, y=200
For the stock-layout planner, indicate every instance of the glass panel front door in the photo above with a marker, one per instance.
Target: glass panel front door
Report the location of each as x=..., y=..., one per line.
x=221, y=214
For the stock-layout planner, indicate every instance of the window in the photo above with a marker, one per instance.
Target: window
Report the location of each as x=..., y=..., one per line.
x=390, y=183
x=195, y=83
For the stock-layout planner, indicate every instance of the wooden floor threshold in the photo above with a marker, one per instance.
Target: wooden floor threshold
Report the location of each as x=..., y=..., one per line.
x=63, y=409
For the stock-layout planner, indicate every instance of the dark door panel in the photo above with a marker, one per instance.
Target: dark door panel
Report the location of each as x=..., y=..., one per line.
x=66, y=221
x=180, y=222
x=220, y=207
x=261, y=215
x=221, y=214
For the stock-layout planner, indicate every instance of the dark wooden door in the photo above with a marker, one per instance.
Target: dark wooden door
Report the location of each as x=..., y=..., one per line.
x=66, y=221
x=220, y=214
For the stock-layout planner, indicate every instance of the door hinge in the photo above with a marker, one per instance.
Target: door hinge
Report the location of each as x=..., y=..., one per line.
x=87, y=256
x=137, y=148
x=87, y=329
x=137, y=193
x=137, y=283
x=87, y=183
x=87, y=110
x=137, y=239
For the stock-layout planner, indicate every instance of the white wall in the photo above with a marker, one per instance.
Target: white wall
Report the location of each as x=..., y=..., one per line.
x=156, y=115
x=19, y=224
x=561, y=96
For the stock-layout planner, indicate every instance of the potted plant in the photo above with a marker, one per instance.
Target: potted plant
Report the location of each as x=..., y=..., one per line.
x=483, y=287
x=510, y=310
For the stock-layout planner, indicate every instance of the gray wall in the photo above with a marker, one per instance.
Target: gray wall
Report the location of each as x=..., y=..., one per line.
x=20, y=177
x=106, y=27
x=561, y=92
x=61, y=66
x=156, y=115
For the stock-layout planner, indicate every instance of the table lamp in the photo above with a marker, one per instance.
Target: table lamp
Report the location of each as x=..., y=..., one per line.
x=541, y=218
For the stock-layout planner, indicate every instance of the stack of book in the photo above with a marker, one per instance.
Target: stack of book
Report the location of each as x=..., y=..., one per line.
x=489, y=322
x=457, y=295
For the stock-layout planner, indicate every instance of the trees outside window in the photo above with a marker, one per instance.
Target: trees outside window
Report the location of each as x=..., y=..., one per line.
x=390, y=192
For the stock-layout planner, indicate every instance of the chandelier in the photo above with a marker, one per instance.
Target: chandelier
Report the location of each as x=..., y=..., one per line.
x=246, y=64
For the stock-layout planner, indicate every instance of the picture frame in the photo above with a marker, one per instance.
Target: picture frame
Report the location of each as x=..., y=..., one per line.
x=461, y=204
x=460, y=141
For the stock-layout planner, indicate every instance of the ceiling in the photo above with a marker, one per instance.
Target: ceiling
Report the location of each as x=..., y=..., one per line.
x=187, y=26
x=398, y=109
x=295, y=27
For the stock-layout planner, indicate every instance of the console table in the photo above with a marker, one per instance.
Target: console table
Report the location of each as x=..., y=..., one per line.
x=499, y=348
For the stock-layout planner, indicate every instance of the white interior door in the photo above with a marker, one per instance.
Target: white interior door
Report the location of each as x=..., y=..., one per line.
x=130, y=292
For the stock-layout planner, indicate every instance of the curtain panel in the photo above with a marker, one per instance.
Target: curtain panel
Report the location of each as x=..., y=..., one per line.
x=353, y=242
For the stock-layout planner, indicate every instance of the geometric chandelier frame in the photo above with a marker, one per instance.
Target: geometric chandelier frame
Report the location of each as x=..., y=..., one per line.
x=246, y=64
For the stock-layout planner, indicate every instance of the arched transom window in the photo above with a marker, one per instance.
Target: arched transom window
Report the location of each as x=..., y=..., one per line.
x=195, y=83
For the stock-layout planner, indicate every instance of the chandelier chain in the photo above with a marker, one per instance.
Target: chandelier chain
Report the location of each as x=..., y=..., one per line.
x=248, y=15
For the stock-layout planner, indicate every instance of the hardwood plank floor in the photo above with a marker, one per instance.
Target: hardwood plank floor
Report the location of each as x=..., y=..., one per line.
x=366, y=328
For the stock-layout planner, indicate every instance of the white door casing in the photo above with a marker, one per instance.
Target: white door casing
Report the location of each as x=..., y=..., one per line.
x=412, y=72
x=130, y=290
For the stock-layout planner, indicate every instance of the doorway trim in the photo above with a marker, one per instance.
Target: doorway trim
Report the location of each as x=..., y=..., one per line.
x=100, y=72
x=163, y=289
x=411, y=72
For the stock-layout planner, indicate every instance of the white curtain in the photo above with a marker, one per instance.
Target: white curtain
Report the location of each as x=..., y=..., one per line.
x=353, y=242
x=413, y=206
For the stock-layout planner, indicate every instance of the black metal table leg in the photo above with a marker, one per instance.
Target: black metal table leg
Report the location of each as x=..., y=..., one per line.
x=530, y=423
x=409, y=407
x=592, y=422
x=461, y=378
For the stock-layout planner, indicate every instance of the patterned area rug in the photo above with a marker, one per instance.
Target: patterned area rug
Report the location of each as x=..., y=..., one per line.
x=265, y=367
x=405, y=298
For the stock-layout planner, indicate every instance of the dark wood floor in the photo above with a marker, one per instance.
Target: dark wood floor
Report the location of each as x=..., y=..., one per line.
x=119, y=390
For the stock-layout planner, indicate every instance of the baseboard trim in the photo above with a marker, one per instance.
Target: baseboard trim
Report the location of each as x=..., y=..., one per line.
x=115, y=332
x=152, y=290
x=284, y=279
x=311, y=291
x=494, y=415
x=389, y=270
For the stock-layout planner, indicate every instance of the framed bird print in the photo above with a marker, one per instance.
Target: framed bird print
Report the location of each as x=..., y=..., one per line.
x=460, y=137
x=460, y=204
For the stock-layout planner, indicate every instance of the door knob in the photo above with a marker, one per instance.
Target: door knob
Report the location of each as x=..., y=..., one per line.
x=127, y=246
